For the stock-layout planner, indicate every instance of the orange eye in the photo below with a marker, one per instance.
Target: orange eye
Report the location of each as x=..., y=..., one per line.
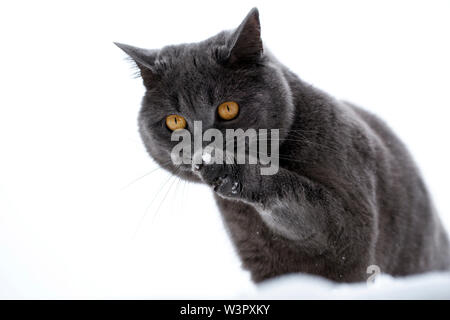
x=228, y=110
x=174, y=122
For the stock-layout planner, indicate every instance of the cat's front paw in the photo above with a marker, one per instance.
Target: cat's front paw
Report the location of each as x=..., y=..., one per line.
x=223, y=178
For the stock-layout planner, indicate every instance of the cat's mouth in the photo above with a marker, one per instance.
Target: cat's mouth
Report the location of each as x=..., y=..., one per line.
x=185, y=167
x=185, y=171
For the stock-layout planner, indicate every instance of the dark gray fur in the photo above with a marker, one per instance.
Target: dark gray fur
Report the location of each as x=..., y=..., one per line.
x=347, y=195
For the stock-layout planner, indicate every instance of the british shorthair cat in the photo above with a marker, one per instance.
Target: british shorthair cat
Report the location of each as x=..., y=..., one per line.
x=347, y=193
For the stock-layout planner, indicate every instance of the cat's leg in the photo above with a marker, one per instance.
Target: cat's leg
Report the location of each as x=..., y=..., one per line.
x=302, y=211
x=286, y=201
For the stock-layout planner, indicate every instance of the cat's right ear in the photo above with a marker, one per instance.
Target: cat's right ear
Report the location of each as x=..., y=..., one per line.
x=246, y=44
x=144, y=60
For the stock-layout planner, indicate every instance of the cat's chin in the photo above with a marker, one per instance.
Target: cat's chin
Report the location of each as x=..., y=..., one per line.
x=185, y=172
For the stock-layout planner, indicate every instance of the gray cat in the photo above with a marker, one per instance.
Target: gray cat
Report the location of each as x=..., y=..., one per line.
x=347, y=194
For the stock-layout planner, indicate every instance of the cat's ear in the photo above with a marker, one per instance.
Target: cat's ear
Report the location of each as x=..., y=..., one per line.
x=246, y=44
x=144, y=60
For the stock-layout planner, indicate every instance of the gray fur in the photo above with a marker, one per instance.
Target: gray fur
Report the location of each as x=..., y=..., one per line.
x=347, y=195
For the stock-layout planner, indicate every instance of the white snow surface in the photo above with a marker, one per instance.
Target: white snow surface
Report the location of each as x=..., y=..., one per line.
x=426, y=286
x=85, y=213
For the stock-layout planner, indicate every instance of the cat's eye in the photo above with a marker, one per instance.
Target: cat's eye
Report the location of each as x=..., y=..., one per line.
x=228, y=110
x=174, y=122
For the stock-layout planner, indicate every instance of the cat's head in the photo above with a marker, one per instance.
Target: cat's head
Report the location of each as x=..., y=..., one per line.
x=192, y=80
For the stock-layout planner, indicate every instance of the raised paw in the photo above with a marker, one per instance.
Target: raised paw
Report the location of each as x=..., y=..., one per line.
x=223, y=178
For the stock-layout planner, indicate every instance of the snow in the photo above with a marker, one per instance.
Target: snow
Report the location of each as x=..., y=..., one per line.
x=84, y=212
x=425, y=286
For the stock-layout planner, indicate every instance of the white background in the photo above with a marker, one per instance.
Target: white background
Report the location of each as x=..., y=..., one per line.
x=70, y=227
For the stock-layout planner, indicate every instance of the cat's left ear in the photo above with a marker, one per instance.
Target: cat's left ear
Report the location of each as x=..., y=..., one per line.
x=246, y=44
x=144, y=60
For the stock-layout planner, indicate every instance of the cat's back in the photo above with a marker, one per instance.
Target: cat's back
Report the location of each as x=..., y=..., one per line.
x=411, y=236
